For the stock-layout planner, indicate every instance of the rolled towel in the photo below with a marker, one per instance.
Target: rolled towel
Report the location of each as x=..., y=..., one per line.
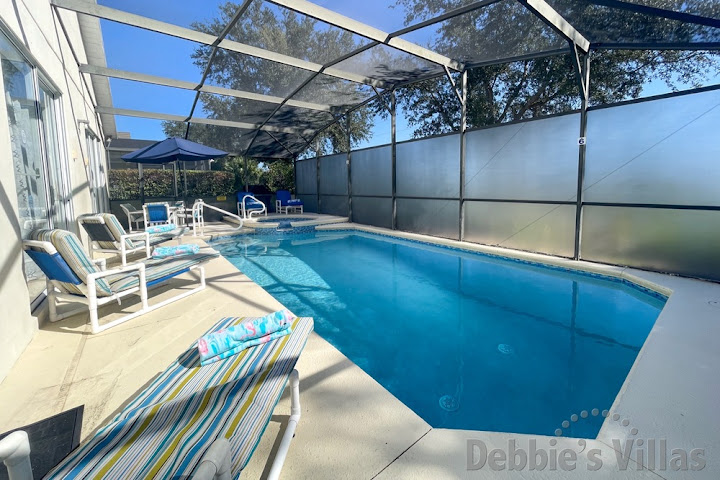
x=168, y=227
x=176, y=250
x=229, y=341
x=294, y=200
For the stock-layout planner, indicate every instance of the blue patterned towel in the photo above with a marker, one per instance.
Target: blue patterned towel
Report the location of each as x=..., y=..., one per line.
x=168, y=227
x=229, y=341
x=176, y=250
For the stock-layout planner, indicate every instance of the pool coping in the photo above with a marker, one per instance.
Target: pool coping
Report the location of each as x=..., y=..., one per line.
x=659, y=396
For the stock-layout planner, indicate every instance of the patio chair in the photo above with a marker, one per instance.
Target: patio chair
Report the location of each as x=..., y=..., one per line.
x=133, y=215
x=77, y=278
x=157, y=214
x=284, y=201
x=198, y=422
x=107, y=235
x=248, y=205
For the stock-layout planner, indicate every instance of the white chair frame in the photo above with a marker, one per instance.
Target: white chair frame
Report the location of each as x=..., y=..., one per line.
x=146, y=218
x=89, y=289
x=130, y=216
x=122, y=249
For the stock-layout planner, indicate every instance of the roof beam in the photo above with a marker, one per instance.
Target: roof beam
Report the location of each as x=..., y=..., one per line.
x=119, y=16
x=169, y=82
x=205, y=121
x=359, y=28
x=557, y=22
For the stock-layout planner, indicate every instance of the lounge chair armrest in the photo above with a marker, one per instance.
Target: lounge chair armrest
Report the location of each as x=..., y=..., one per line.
x=140, y=267
x=141, y=235
x=101, y=262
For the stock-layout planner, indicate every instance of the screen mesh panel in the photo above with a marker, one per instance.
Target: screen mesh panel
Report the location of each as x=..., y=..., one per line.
x=336, y=92
x=601, y=24
x=284, y=31
x=388, y=64
x=703, y=8
x=253, y=74
x=500, y=30
x=224, y=107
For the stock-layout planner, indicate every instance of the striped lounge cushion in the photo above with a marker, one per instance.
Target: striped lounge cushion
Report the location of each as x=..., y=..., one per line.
x=158, y=269
x=166, y=429
x=71, y=250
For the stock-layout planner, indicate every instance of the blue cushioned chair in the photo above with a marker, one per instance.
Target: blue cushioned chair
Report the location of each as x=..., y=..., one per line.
x=248, y=205
x=284, y=201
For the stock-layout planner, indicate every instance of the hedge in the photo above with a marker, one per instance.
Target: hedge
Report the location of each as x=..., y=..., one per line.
x=124, y=184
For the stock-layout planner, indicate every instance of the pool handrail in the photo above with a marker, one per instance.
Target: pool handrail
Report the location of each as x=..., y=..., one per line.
x=198, y=217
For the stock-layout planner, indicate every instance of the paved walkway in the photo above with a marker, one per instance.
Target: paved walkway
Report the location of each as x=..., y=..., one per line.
x=352, y=427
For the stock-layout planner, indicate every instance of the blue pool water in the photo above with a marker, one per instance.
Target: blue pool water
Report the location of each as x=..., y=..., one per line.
x=465, y=340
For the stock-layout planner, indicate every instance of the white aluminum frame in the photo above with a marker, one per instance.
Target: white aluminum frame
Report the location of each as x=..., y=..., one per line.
x=133, y=213
x=121, y=246
x=89, y=289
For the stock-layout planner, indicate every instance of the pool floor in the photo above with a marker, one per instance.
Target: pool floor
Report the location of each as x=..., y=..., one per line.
x=465, y=340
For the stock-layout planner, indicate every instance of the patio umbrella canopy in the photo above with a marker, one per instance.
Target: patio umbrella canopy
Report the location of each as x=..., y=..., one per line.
x=171, y=150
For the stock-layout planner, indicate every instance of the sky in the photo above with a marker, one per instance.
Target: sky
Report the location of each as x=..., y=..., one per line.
x=133, y=49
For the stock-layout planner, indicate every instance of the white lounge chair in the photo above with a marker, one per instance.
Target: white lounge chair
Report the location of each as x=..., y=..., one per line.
x=73, y=276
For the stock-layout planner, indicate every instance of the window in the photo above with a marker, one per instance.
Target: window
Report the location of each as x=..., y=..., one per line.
x=40, y=171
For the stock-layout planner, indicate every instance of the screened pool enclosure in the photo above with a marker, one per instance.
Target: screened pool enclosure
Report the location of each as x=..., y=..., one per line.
x=525, y=136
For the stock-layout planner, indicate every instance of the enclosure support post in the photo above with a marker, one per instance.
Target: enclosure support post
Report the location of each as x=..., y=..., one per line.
x=393, y=156
x=582, y=68
x=294, y=160
x=463, y=128
x=317, y=178
x=349, y=167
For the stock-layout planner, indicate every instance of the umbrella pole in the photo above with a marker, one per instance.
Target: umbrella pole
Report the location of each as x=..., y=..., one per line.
x=175, y=179
x=141, y=179
x=184, y=169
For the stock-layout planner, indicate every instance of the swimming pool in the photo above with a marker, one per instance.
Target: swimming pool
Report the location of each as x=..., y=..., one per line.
x=466, y=340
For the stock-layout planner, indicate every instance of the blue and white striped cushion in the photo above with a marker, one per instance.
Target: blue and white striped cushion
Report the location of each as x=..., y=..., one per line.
x=166, y=429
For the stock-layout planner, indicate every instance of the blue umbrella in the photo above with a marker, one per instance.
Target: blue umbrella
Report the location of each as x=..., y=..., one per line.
x=172, y=150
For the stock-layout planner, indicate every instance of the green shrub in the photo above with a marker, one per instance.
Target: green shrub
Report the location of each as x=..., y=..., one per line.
x=124, y=184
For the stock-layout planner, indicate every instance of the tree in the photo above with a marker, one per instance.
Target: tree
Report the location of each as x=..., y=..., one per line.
x=280, y=176
x=543, y=86
x=281, y=31
x=247, y=171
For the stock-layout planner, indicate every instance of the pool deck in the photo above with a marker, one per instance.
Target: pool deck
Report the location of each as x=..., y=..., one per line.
x=352, y=427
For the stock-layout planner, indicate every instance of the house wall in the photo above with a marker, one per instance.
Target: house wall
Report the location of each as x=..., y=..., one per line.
x=34, y=25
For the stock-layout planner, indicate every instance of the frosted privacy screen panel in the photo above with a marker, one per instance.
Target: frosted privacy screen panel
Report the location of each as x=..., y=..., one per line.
x=333, y=174
x=310, y=202
x=306, y=176
x=431, y=217
x=429, y=167
x=535, y=160
x=372, y=211
x=334, y=205
x=676, y=241
x=525, y=226
x=661, y=151
x=371, y=171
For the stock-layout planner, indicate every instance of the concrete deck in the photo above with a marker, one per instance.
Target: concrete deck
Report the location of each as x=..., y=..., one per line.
x=351, y=426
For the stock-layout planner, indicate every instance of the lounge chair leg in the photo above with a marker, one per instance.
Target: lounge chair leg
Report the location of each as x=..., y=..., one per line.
x=295, y=412
x=52, y=307
x=15, y=453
